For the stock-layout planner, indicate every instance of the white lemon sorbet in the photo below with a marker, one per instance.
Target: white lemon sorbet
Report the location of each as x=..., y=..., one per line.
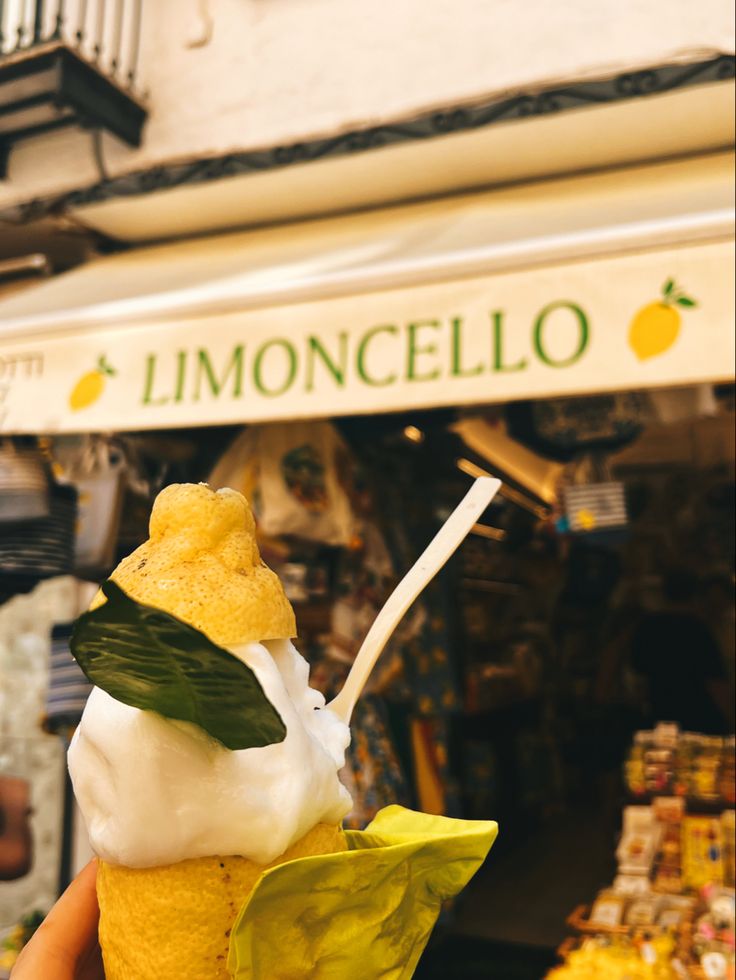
x=154, y=791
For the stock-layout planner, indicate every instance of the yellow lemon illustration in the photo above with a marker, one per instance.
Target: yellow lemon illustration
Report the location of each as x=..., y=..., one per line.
x=656, y=326
x=90, y=386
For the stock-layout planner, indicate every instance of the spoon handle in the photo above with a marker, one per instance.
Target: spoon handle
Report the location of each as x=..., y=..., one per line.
x=440, y=548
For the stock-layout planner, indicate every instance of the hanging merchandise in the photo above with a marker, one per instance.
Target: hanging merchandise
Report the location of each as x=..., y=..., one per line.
x=427, y=767
x=239, y=468
x=373, y=773
x=595, y=506
x=683, y=404
x=68, y=688
x=295, y=475
x=44, y=547
x=24, y=483
x=96, y=468
x=373, y=770
x=594, y=502
x=146, y=473
x=302, y=483
x=429, y=677
x=561, y=428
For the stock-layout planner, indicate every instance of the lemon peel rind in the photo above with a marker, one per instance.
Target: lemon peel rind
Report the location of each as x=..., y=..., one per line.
x=174, y=921
x=201, y=564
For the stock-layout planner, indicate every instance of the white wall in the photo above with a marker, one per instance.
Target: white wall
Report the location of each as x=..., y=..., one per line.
x=278, y=71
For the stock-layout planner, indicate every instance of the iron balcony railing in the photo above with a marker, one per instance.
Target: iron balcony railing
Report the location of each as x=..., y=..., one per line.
x=105, y=33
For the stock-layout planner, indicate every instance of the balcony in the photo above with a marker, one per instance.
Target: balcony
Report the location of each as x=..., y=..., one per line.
x=69, y=63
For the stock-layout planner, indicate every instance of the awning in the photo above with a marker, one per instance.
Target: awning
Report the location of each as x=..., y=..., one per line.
x=620, y=280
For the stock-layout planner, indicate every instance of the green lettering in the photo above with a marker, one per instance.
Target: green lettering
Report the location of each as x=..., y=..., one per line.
x=315, y=349
x=181, y=358
x=457, y=355
x=205, y=370
x=415, y=351
x=583, y=335
x=291, y=361
x=389, y=379
x=148, y=398
x=498, y=364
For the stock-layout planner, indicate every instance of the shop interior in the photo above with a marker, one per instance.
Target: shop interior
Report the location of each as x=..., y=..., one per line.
x=593, y=600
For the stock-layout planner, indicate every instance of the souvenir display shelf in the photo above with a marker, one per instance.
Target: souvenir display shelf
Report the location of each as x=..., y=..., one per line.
x=671, y=905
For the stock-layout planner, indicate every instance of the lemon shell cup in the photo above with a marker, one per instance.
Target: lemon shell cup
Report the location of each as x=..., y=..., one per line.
x=354, y=906
x=174, y=922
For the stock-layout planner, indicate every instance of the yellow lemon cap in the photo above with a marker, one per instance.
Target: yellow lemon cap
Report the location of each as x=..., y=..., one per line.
x=201, y=563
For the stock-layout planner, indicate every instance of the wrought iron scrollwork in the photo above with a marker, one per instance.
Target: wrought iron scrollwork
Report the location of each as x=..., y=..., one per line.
x=640, y=84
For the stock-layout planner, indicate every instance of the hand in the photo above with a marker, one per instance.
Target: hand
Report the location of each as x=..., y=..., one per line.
x=65, y=945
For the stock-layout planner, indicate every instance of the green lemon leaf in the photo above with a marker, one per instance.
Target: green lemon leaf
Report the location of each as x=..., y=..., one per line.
x=362, y=914
x=149, y=659
x=685, y=301
x=668, y=287
x=104, y=368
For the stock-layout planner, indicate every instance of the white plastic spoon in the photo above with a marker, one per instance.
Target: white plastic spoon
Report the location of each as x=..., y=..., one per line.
x=441, y=547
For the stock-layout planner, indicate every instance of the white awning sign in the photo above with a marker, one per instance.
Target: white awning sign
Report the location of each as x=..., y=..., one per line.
x=636, y=320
